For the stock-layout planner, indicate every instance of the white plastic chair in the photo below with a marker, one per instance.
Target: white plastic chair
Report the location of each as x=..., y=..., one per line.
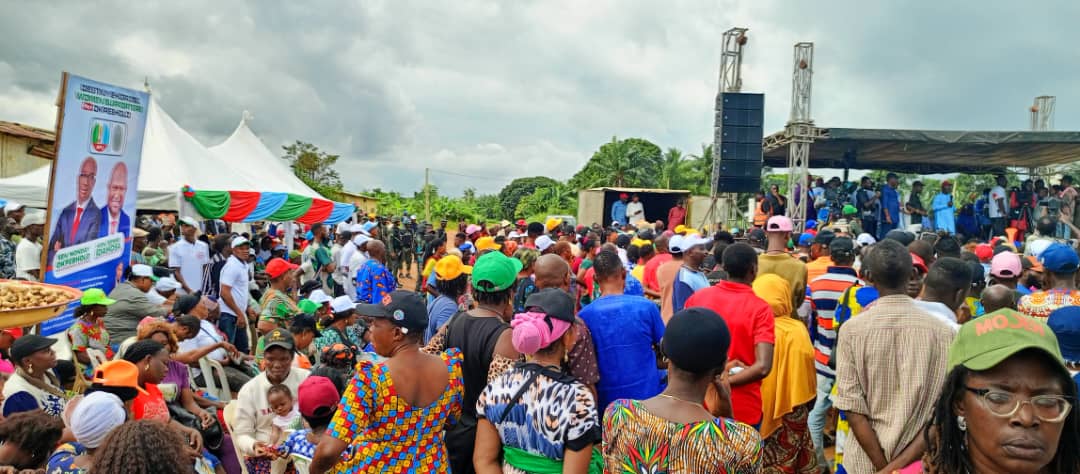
x=217, y=383
x=96, y=357
x=229, y=414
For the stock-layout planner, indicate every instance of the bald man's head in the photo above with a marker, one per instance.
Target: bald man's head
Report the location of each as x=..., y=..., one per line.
x=661, y=243
x=551, y=271
x=996, y=297
x=376, y=250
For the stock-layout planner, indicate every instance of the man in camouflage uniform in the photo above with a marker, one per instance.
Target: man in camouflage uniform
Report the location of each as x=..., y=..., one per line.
x=407, y=247
x=393, y=241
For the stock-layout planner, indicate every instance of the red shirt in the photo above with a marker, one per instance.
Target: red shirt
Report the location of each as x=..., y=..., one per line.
x=651, y=282
x=676, y=216
x=750, y=322
x=150, y=405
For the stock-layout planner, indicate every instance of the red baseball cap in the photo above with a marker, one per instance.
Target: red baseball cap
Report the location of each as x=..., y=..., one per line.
x=521, y=223
x=985, y=252
x=918, y=263
x=317, y=396
x=278, y=266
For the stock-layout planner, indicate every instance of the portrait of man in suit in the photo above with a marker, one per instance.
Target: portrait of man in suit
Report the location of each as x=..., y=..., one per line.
x=79, y=221
x=113, y=219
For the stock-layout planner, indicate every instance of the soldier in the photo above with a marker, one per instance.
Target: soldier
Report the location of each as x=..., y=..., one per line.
x=393, y=247
x=408, y=249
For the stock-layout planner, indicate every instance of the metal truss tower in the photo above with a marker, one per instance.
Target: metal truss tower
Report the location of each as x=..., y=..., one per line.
x=1042, y=120
x=800, y=129
x=730, y=81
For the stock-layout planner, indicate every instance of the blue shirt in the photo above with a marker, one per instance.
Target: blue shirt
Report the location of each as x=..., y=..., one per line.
x=633, y=286
x=618, y=212
x=944, y=213
x=890, y=201
x=624, y=330
x=439, y=312
x=686, y=283
x=374, y=281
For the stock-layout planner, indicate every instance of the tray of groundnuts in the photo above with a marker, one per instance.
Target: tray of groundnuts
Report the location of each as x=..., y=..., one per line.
x=26, y=303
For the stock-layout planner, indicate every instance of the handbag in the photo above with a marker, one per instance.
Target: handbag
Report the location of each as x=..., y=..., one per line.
x=212, y=435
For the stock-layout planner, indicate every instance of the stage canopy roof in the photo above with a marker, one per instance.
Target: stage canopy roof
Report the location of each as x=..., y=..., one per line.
x=929, y=151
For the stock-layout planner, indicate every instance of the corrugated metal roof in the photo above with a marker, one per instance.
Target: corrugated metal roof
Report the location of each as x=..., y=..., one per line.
x=20, y=130
x=935, y=151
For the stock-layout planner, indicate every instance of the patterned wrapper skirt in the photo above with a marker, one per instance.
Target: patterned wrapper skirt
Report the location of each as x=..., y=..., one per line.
x=790, y=449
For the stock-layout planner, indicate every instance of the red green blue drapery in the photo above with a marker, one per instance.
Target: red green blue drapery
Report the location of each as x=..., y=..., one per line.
x=251, y=206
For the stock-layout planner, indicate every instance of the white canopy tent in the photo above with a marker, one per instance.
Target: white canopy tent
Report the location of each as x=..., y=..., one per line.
x=247, y=154
x=172, y=158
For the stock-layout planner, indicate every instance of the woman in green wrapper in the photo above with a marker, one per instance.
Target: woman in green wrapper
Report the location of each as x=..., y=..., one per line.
x=536, y=417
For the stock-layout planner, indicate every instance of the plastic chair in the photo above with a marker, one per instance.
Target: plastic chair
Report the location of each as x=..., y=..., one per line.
x=96, y=357
x=217, y=383
x=229, y=414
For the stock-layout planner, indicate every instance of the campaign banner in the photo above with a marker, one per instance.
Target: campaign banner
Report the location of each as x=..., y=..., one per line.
x=93, y=188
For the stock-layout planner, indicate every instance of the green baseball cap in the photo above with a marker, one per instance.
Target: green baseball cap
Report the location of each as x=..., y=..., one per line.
x=986, y=341
x=94, y=296
x=849, y=210
x=494, y=271
x=307, y=306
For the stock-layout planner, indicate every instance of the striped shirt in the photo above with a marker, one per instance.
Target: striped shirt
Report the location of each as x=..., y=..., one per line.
x=826, y=291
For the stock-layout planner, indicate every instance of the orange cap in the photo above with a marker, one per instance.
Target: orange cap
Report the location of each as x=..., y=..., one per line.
x=118, y=373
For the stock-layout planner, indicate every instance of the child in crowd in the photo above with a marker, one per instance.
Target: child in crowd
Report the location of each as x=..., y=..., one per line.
x=286, y=415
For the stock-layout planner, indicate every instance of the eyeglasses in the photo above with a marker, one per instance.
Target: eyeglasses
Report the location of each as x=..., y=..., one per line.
x=1048, y=408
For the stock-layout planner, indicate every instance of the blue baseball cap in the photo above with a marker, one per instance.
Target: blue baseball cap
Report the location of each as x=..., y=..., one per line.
x=810, y=224
x=1060, y=258
x=806, y=239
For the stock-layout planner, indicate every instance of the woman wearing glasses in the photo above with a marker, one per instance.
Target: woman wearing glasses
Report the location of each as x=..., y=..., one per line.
x=1007, y=404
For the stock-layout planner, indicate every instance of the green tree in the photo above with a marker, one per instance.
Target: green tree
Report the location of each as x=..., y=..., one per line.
x=676, y=170
x=633, y=162
x=558, y=199
x=511, y=195
x=314, y=167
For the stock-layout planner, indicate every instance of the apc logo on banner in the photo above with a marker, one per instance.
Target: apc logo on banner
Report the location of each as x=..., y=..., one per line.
x=107, y=137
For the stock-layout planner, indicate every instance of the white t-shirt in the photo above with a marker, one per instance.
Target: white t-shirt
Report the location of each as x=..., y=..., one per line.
x=27, y=257
x=633, y=208
x=191, y=259
x=235, y=274
x=207, y=336
x=998, y=192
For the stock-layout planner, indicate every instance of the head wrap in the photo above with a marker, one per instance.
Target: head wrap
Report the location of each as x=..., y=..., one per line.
x=95, y=416
x=776, y=291
x=534, y=331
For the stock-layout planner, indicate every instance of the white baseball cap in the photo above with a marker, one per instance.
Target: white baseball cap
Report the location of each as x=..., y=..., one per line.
x=141, y=270
x=33, y=218
x=361, y=239
x=513, y=235
x=13, y=206
x=240, y=240
x=691, y=240
x=676, y=244
x=320, y=297
x=188, y=220
x=342, y=303
x=356, y=228
x=167, y=284
x=544, y=242
x=865, y=239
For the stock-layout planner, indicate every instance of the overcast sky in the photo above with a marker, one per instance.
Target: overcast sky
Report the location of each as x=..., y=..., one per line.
x=496, y=89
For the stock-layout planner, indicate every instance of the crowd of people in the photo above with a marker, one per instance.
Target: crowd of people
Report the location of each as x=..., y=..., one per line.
x=877, y=208
x=541, y=347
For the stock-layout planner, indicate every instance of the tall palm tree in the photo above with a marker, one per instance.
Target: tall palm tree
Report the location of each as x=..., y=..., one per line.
x=629, y=162
x=675, y=171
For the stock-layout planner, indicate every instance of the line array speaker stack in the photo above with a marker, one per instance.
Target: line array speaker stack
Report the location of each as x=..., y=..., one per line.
x=740, y=145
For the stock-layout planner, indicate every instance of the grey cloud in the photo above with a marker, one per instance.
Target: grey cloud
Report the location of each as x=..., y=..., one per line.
x=398, y=86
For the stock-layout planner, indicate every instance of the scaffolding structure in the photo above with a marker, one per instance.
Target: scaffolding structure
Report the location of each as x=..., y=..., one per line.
x=730, y=80
x=800, y=133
